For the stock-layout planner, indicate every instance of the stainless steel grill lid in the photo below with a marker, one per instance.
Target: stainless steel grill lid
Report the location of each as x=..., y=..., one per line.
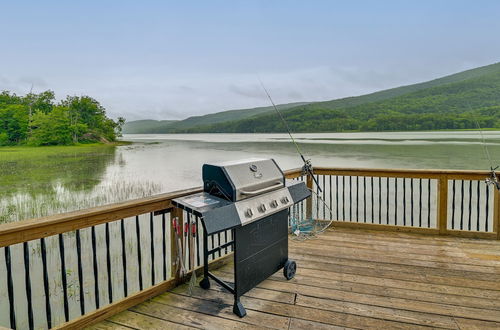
x=238, y=180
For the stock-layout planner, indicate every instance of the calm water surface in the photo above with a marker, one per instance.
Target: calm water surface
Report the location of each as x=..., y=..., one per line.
x=157, y=163
x=175, y=160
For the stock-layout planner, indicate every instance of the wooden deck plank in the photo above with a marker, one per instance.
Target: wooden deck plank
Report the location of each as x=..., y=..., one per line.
x=350, y=278
x=189, y=317
x=463, y=255
x=107, y=325
x=141, y=321
x=395, y=268
x=221, y=308
x=416, y=276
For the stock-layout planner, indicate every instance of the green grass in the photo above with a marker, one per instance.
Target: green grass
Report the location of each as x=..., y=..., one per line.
x=28, y=152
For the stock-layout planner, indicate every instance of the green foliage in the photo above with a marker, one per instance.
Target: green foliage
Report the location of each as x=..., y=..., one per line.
x=13, y=123
x=38, y=120
x=53, y=128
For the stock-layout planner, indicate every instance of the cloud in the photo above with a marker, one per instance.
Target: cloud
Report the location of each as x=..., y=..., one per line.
x=37, y=82
x=251, y=91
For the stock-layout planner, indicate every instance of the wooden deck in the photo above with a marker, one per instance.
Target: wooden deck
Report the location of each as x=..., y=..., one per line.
x=349, y=278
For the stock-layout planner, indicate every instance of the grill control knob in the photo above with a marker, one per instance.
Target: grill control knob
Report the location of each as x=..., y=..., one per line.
x=274, y=204
x=262, y=208
x=285, y=200
x=249, y=213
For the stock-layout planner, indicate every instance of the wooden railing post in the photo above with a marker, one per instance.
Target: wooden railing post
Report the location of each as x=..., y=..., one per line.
x=442, y=207
x=496, y=212
x=309, y=201
x=174, y=269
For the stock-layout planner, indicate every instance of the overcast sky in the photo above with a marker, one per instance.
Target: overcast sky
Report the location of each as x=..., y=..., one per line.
x=174, y=59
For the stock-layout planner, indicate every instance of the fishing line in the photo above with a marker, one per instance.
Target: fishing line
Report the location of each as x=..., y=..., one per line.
x=307, y=168
x=492, y=179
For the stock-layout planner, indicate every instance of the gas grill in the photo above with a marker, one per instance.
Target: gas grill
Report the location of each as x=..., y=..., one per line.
x=251, y=198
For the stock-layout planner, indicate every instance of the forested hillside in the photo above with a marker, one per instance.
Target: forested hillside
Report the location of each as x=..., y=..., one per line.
x=146, y=126
x=37, y=119
x=454, y=102
x=169, y=126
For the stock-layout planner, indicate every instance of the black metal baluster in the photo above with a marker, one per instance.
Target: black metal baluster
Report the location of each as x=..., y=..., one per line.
x=225, y=237
x=219, y=243
x=357, y=198
x=96, y=272
x=364, y=199
x=317, y=196
x=420, y=203
x=387, y=206
x=470, y=205
x=379, y=200
x=395, y=201
x=462, y=207
x=212, y=239
x=10, y=287
x=411, y=201
x=198, y=240
x=453, y=205
x=108, y=264
x=350, y=198
x=324, y=197
x=164, y=246
x=429, y=204
x=27, y=282
x=343, y=198
x=139, y=256
x=487, y=207
x=371, y=181
x=331, y=203
x=151, y=234
x=337, y=196
x=124, y=258
x=46, y=289
x=188, y=245
x=63, y=278
x=80, y=271
x=478, y=201
x=404, y=201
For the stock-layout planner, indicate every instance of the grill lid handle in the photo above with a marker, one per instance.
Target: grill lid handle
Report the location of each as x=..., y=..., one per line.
x=263, y=190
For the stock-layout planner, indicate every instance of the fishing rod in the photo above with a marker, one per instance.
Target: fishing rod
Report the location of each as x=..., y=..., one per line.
x=307, y=168
x=493, y=178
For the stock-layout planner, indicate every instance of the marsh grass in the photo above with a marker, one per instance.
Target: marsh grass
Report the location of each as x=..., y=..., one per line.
x=60, y=199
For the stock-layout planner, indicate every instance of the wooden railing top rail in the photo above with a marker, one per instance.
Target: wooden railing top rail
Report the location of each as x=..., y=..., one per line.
x=405, y=173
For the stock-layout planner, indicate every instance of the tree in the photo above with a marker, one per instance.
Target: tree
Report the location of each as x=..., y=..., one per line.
x=13, y=123
x=53, y=128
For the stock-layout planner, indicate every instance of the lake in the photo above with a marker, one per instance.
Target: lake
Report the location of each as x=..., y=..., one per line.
x=156, y=163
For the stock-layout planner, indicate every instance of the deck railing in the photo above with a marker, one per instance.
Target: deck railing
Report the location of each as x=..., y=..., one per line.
x=74, y=269
x=443, y=202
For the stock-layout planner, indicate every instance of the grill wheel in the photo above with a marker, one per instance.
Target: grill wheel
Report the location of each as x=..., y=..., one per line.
x=289, y=269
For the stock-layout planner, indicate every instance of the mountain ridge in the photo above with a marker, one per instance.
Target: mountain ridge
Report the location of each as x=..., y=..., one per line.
x=476, y=88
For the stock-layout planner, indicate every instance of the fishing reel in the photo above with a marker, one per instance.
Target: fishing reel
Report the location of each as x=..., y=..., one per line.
x=493, y=178
x=307, y=168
